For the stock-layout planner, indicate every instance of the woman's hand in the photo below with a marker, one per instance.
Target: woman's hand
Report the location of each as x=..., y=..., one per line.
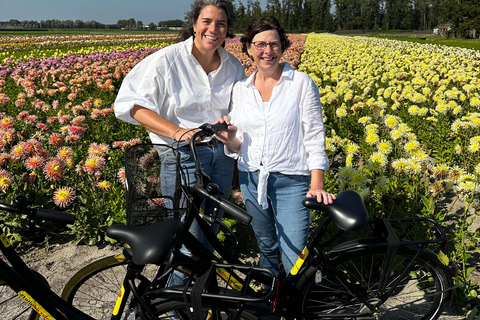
x=228, y=137
x=321, y=195
x=185, y=135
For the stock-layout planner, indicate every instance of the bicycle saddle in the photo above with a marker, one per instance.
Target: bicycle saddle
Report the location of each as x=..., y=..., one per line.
x=149, y=244
x=347, y=210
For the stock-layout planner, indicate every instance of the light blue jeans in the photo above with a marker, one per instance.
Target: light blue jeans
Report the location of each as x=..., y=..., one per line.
x=282, y=227
x=214, y=163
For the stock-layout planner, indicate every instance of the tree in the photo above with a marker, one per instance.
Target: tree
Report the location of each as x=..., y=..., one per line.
x=464, y=15
x=121, y=24
x=242, y=18
x=273, y=8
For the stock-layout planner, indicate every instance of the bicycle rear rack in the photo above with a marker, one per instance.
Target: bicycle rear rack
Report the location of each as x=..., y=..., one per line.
x=410, y=231
x=229, y=282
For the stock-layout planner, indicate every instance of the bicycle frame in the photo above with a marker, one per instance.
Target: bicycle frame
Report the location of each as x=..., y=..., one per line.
x=315, y=250
x=28, y=286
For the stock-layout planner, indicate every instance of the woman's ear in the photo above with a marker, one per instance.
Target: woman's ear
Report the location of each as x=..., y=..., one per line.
x=250, y=50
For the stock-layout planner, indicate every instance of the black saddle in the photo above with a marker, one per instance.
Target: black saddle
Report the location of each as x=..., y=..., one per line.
x=149, y=244
x=347, y=211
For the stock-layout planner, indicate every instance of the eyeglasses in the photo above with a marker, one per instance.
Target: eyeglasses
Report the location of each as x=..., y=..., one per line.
x=262, y=45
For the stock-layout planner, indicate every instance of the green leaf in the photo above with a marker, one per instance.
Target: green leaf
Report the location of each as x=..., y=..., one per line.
x=443, y=258
x=469, y=271
x=471, y=314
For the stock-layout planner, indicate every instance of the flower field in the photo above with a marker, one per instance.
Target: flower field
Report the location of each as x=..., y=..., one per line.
x=60, y=143
x=402, y=123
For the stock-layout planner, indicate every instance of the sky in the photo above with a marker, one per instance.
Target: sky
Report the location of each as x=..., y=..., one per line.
x=103, y=11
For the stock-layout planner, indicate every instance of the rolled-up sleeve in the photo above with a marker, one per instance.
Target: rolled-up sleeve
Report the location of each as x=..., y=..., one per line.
x=313, y=128
x=144, y=85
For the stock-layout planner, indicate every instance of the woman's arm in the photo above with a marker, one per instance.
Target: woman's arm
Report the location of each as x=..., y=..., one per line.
x=157, y=124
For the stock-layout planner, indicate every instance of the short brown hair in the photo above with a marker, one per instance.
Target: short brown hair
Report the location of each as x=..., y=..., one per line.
x=264, y=24
x=195, y=9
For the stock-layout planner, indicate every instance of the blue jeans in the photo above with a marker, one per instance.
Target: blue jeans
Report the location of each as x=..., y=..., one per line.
x=214, y=163
x=282, y=227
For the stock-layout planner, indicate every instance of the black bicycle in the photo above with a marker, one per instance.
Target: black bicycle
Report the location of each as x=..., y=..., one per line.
x=351, y=268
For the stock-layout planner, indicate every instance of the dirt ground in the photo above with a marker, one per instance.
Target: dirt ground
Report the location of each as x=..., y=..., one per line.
x=59, y=262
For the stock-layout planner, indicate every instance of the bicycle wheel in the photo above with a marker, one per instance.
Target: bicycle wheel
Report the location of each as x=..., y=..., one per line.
x=176, y=310
x=12, y=307
x=420, y=294
x=94, y=289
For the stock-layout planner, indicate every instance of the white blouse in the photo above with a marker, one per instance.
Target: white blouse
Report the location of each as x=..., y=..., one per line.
x=286, y=135
x=172, y=83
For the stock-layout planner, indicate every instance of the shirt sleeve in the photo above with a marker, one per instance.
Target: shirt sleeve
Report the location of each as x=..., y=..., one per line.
x=313, y=128
x=144, y=85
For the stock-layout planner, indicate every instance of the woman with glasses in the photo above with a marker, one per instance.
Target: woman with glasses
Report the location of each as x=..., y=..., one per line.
x=276, y=131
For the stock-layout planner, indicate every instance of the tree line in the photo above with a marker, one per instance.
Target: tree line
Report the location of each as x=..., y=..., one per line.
x=128, y=24
x=368, y=15
x=318, y=16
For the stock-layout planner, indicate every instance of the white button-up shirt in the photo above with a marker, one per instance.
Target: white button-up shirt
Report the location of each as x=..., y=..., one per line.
x=172, y=83
x=285, y=135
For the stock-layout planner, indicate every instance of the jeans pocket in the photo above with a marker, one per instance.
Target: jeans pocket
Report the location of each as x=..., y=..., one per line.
x=184, y=154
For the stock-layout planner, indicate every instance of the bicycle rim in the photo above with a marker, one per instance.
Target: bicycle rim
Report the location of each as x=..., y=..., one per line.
x=420, y=294
x=95, y=289
x=176, y=310
x=12, y=307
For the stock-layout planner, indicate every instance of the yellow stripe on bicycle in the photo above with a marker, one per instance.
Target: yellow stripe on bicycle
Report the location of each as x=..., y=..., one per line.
x=119, y=301
x=35, y=306
x=5, y=240
x=225, y=275
x=300, y=261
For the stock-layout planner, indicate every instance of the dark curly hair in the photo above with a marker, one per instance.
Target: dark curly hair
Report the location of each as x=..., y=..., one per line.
x=264, y=24
x=195, y=9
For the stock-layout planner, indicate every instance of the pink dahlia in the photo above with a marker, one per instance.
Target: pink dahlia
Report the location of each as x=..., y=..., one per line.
x=93, y=164
x=56, y=139
x=6, y=180
x=34, y=163
x=63, y=196
x=53, y=169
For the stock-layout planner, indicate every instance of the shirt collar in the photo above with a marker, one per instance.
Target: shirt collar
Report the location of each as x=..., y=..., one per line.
x=287, y=74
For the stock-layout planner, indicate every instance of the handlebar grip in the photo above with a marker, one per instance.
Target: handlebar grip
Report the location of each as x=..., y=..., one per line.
x=235, y=211
x=210, y=129
x=219, y=126
x=59, y=216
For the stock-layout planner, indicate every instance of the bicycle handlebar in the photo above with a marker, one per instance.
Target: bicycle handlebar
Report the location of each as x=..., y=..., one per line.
x=207, y=130
x=44, y=214
x=235, y=211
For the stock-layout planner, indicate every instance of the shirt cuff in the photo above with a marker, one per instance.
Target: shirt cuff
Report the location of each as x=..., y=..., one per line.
x=318, y=162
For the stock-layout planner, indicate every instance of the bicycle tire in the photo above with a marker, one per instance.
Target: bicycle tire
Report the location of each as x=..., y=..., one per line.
x=177, y=310
x=421, y=294
x=12, y=306
x=95, y=288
